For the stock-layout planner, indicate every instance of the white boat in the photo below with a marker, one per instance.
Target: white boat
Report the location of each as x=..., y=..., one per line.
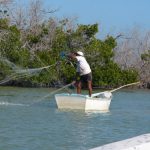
x=97, y=102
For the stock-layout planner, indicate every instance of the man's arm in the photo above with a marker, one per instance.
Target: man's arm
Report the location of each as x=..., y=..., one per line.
x=72, y=56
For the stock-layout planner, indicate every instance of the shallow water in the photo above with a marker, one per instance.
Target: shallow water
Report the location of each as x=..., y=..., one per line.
x=29, y=123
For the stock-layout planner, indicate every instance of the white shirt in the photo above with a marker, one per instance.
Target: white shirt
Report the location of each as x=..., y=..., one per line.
x=82, y=65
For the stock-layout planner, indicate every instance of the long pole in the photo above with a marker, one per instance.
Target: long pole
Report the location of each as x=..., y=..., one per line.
x=96, y=94
x=124, y=86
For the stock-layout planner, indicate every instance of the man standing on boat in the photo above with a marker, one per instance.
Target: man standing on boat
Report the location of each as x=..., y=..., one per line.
x=83, y=72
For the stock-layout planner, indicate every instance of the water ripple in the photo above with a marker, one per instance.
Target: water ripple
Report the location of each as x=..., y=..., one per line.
x=12, y=104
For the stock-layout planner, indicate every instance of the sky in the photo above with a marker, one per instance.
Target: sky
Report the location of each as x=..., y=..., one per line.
x=112, y=15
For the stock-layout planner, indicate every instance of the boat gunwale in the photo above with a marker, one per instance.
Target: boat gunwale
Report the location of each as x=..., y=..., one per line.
x=83, y=96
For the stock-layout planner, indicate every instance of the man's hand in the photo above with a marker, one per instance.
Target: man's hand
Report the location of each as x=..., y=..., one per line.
x=74, y=83
x=71, y=55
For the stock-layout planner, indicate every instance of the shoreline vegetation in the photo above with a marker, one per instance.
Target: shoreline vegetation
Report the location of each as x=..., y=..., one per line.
x=37, y=40
x=56, y=85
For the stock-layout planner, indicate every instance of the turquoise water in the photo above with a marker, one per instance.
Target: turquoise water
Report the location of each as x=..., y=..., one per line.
x=41, y=126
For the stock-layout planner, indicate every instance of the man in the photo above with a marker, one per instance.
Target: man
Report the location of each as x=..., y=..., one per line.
x=83, y=72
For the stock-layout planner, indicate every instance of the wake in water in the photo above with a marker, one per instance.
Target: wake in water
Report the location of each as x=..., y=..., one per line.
x=12, y=104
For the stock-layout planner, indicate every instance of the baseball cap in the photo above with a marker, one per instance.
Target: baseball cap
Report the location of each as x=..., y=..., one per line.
x=80, y=53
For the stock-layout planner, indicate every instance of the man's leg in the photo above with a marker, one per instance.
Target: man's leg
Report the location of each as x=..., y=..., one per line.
x=79, y=87
x=90, y=87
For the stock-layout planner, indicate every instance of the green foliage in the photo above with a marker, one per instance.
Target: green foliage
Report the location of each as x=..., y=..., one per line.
x=4, y=24
x=11, y=45
x=146, y=56
x=45, y=31
x=107, y=75
x=59, y=42
x=129, y=76
x=88, y=30
x=4, y=70
x=99, y=54
x=33, y=39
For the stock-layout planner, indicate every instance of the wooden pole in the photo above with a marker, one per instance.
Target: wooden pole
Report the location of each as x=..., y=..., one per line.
x=124, y=86
x=96, y=94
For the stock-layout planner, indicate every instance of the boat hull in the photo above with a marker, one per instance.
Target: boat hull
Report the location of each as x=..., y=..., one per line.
x=82, y=102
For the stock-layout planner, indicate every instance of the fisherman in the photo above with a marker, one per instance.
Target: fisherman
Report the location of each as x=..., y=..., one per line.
x=83, y=72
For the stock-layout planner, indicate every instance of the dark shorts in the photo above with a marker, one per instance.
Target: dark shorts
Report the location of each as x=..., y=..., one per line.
x=85, y=78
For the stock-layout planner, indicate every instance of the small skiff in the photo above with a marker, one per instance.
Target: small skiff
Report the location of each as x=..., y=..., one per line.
x=97, y=102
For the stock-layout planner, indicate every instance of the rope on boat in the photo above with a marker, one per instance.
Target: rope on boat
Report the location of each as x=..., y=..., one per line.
x=55, y=91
